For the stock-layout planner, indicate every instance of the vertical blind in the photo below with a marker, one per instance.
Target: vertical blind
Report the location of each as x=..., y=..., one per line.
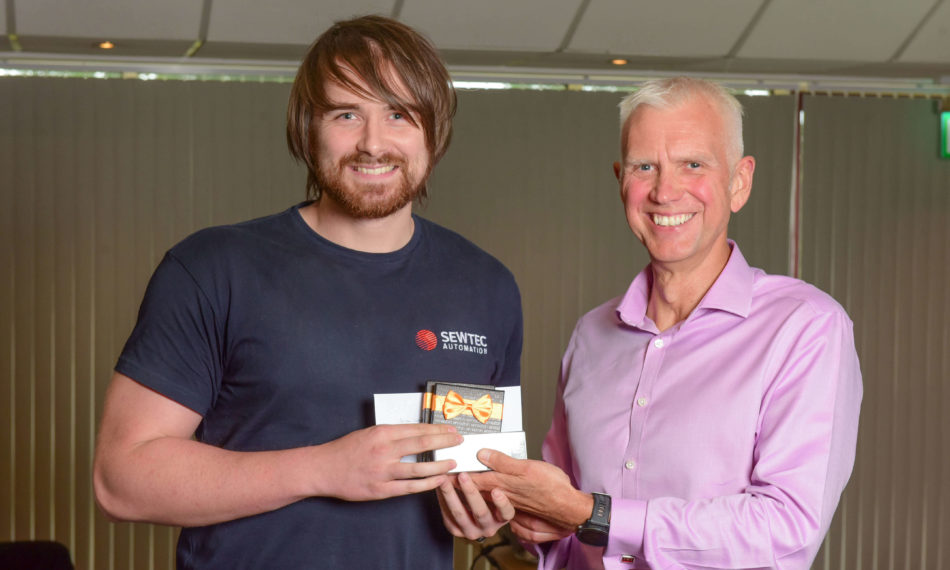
x=876, y=235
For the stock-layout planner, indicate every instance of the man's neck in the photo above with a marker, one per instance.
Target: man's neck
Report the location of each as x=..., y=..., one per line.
x=676, y=290
x=378, y=235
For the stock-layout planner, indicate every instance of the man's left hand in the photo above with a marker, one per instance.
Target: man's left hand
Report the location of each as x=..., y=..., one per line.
x=535, y=487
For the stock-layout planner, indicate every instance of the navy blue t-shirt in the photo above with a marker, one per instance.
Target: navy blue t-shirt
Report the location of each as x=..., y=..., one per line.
x=279, y=339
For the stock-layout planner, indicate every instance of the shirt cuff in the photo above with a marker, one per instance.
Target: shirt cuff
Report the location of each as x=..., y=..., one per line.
x=551, y=555
x=627, y=521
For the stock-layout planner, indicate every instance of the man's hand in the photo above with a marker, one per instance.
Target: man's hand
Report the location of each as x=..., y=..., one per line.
x=466, y=511
x=364, y=465
x=536, y=488
x=537, y=530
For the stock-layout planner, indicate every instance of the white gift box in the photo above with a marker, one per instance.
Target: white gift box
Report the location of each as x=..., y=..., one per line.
x=406, y=408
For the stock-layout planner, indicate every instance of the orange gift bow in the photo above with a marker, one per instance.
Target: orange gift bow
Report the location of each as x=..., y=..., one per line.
x=455, y=404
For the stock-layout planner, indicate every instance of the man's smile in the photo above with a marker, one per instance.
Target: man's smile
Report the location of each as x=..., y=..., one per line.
x=374, y=170
x=674, y=220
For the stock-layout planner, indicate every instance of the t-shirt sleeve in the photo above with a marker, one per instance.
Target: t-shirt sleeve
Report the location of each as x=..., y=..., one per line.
x=176, y=347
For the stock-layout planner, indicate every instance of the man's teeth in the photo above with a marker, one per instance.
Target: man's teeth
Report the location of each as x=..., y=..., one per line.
x=375, y=169
x=671, y=220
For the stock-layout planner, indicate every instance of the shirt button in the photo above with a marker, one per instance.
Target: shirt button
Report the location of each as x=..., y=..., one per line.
x=658, y=343
x=642, y=402
x=630, y=464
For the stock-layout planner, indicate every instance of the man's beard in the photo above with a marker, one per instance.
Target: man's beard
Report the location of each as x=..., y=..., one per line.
x=368, y=200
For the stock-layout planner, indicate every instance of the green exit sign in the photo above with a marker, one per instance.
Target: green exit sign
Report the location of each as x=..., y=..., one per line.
x=945, y=134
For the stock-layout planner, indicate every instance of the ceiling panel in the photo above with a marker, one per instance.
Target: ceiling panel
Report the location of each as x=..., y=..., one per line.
x=932, y=43
x=675, y=28
x=139, y=19
x=529, y=25
x=834, y=29
x=908, y=40
x=284, y=21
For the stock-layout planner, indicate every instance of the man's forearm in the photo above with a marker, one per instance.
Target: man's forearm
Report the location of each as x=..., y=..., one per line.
x=186, y=483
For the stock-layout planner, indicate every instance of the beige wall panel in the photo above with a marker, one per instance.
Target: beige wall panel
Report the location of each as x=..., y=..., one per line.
x=7, y=364
x=761, y=228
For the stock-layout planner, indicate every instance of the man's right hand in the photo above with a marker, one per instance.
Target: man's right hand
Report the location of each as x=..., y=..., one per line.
x=365, y=465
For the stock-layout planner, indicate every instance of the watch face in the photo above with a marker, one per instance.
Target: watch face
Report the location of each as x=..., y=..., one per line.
x=592, y=536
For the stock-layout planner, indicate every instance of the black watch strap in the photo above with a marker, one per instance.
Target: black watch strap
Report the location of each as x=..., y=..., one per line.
x=596, y=529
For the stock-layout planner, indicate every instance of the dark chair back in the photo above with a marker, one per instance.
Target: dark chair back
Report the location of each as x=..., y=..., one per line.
x=34, y=555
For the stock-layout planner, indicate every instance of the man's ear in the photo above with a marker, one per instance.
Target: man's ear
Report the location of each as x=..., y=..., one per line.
x=741, y=184
x=618, y=173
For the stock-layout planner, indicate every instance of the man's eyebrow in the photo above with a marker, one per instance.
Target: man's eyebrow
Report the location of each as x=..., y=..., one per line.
x=697, y=156
x=337, y=105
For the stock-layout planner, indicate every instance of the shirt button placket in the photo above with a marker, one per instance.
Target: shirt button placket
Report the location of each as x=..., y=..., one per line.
x=648, y=374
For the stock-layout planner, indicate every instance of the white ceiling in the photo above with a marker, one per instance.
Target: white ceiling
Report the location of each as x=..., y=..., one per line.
x=845, y=40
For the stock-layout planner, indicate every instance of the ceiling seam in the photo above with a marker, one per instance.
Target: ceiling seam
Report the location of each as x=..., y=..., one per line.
x=202, y=29
x=12, y=36
x=572, y=28
x=397, y=9
x=747, y=31
x=913, y=34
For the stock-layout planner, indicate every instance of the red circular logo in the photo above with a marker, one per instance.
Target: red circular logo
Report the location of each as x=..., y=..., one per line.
x=426, y=340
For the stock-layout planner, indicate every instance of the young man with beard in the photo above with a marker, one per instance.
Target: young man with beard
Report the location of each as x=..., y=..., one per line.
x=240, y=404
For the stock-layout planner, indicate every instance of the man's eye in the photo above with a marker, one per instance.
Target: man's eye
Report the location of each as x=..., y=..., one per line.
x=693, y=164
x=347, y=116
x=645, y=167
x=398, y=116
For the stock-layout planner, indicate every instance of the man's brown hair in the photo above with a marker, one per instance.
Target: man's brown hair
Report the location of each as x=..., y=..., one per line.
x=379, y=51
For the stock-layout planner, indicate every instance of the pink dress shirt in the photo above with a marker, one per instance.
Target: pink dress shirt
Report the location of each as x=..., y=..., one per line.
x=724, y=441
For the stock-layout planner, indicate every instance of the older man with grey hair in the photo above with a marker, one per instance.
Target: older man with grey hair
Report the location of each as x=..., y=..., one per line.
x=707, y=418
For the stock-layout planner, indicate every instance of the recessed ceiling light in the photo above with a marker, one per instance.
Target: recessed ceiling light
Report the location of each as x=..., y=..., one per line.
x=106, y=45
x=618, y=61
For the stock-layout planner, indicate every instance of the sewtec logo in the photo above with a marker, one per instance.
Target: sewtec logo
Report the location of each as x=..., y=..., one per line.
x=453, y=340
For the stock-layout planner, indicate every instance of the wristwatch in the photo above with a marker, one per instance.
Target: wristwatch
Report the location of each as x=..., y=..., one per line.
x=594, y=531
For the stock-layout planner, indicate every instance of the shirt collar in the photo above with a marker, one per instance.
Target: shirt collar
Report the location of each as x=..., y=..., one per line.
x=732, y=292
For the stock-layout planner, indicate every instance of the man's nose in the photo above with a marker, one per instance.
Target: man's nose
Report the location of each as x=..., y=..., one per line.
x=666, y=189
x=372, y=137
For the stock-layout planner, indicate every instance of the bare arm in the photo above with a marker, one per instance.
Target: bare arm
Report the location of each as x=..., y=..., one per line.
x=147, y=467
